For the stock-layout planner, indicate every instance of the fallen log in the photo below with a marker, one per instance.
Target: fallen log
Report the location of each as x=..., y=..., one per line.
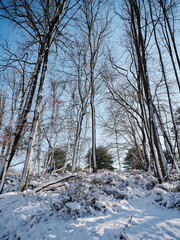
x=52, y=183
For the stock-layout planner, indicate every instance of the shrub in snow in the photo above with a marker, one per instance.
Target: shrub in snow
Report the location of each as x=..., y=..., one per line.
x=12, y=182
x=85, y=195
x=115, y=192
x=103, y=192
x=167, y=194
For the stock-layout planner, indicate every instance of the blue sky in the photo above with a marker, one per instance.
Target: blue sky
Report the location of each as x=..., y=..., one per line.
x=5, y=28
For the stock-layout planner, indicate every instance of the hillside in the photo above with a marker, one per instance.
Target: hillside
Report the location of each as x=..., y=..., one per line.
x=106, y=205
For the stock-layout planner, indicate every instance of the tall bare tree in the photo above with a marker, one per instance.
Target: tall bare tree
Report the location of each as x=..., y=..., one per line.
x=79, y=74
x=41, y=21
x=136, y=11
x=94, y=23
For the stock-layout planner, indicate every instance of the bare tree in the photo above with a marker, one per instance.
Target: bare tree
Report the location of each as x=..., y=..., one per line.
x=125, y=116
x=168, y=8
x=94, y=23
x=168, y=93
x=42, y=25
x=79, y=75
x=3, y=96
x=136, y=18
x=55, y=119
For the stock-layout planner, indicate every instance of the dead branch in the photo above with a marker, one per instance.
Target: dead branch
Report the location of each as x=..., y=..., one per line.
x=52, y=183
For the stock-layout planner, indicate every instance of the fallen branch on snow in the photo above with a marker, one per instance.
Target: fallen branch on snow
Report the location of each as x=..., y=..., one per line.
x=52, y=183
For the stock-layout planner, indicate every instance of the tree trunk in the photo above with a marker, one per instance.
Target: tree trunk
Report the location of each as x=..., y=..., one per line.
x=77, y=140
x=139, y=42
x=162, y=4
x=67, y=153
x=21, y=122
x=26, y=170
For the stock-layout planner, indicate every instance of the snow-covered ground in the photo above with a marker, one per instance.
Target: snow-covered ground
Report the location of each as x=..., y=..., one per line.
x=105, y=205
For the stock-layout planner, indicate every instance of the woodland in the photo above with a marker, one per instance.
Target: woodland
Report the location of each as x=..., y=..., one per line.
x=78, y=74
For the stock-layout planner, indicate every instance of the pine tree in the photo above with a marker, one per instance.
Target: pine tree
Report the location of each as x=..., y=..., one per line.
x=103, y=158
x=59, y=159
x=132, y=160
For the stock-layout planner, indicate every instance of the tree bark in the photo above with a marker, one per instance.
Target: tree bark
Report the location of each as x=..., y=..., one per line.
x=26, y=170
x=21, y=122
x=139, y=42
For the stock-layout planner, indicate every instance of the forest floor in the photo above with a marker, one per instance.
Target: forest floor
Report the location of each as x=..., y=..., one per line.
x=106, y=205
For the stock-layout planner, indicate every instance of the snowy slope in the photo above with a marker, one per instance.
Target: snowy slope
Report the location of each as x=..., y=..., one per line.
x=106, y=205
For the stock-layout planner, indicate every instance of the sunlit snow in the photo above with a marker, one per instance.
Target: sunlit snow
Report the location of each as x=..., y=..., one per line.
x=106, y=205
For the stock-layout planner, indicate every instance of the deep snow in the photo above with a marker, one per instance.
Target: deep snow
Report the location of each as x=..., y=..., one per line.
x=106, y=205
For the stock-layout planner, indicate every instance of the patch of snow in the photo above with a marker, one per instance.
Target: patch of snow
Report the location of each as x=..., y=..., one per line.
x=106, y=205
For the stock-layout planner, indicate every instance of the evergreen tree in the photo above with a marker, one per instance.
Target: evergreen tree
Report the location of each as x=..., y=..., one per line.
x=103, y=158
x=59, y=159
x=132, y=160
